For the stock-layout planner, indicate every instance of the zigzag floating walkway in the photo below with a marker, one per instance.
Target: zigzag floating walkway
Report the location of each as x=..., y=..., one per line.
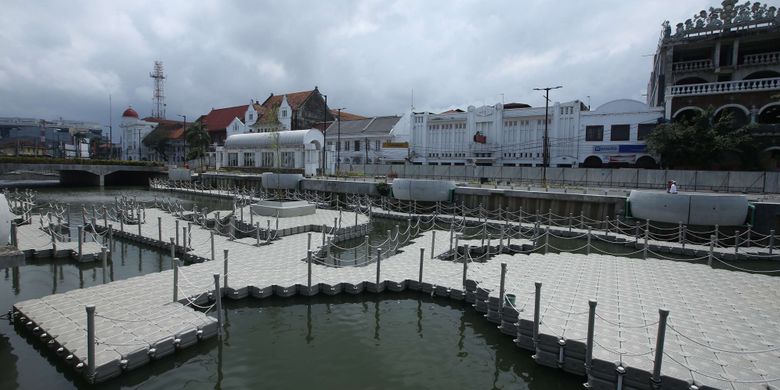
x=722, y=331
x=34, y=242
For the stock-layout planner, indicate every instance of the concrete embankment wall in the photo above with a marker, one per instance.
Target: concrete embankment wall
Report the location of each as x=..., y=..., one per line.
x=721, y=181
x=592, y=206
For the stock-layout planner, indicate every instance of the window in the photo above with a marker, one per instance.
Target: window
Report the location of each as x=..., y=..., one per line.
x=249, y=159
x=346, y=145
x=368, y=145
x=377, y=145
x=594, y=133
x=267, y=159
x=644, y=130
x=619, y=133
x=357, y=146
x=288, y=159
x=232, y=159
x=284, y=113
x=251, y=116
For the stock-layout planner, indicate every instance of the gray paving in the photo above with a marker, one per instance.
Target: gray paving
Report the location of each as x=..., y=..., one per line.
x=723, y=325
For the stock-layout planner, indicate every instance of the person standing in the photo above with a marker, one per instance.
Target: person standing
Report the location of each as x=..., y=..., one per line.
x=673, y=187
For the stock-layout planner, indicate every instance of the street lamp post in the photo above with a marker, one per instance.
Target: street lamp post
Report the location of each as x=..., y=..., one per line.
x=324, y=129
x=184, y=158
x=338, y=143
x=546, y=141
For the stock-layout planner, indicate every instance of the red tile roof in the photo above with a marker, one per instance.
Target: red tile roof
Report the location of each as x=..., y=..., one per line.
x=218, y=119
x=173, y=129
x=294, y=99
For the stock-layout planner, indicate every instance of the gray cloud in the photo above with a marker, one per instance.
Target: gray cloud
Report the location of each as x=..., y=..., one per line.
x=63, y=59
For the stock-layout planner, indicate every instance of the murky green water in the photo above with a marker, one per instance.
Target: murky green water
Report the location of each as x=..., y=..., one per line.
x=404, y=341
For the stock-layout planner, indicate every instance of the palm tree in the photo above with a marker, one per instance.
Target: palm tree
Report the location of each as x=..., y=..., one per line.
x=198, y=139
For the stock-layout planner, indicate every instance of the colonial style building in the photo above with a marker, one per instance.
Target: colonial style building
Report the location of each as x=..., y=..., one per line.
x=133, y=131
x=169, y=135
x=727, y=58
x=291, y=111
x=502, y=134
x=286, y=150
x=377, y=140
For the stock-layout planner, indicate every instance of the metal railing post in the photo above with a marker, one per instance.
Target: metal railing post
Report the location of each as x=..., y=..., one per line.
x=368, y=250
x=433, y=241
x=81, y=242
x=308, y=261
x=659, y=346
x=91, y=342
x=218, y=297
x=225, y=276
x=420, y=276
x=537, y=303
x=502, y=286
x=709, y=256
x=587, y=247
x=546, y=240
x=465, y=258
x=591, y=330
x=104, y=260
x=378, y=267
x=175, y=268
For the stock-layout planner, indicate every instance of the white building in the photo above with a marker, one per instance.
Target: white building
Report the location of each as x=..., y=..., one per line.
x=288, y=150
x=513, y=135
x=615, y=134
x=133, y=132
x=377, y=140
x=509, y=135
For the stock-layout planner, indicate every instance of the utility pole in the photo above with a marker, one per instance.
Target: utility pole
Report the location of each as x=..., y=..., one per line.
x=110, y=129
x=546, y=141
x=185, y=138
x=338, y=143
x=324, y=130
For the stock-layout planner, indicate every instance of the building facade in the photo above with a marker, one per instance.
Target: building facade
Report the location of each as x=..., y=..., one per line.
x=509, y=135
x=58, y=138
x=377, y=140
x=290, y=111
x=134, y=130
x=614, y=134
x=727, y=58
x=288, y=150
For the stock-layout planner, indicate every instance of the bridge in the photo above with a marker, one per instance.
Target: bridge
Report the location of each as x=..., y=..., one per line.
x=91, y=174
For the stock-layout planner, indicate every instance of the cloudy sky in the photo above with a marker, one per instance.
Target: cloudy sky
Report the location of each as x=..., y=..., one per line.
x=64, y=58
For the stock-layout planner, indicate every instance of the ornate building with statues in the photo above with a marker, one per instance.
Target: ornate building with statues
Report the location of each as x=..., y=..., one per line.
x=725, y=58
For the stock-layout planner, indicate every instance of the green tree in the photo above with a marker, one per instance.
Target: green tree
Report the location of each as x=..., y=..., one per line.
x=198, y=141
x=158, y=141
x=702, y=142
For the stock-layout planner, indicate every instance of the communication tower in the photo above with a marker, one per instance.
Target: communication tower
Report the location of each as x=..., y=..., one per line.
x=159, y=90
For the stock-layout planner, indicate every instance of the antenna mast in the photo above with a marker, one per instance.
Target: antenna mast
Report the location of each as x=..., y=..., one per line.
x=159, y=90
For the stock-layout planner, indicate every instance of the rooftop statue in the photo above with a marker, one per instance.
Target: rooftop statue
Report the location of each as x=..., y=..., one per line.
x=730, y=14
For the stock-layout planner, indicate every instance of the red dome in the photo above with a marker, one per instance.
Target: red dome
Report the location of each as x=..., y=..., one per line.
x=130, y=113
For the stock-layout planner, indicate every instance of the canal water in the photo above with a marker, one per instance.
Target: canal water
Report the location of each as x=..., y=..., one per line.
x=402, y=341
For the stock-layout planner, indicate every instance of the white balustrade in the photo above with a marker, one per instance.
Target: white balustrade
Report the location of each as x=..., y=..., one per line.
x=762, y=58
x=687, y=66
x=725, y=87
